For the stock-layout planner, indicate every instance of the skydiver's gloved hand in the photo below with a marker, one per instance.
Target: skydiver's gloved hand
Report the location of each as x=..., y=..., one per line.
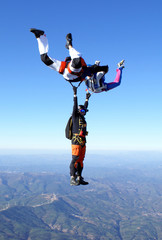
x=88, y=95
x=75, y=90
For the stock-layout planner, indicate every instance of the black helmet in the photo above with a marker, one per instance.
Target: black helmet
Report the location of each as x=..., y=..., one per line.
x=82, y=107
x=76, y=63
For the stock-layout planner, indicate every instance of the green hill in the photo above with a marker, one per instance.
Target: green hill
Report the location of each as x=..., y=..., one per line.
x=124, y=205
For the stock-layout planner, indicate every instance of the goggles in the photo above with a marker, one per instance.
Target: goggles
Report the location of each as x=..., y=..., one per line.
x=82, y=110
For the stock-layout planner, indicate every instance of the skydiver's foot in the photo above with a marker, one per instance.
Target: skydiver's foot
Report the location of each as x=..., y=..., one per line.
x=68, y=40
x=121, y=64
x=37, y=32
x=97, y=63
x=73, y=182
x=81, y=181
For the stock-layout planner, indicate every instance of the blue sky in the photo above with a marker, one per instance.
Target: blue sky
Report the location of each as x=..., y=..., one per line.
x=35, y=101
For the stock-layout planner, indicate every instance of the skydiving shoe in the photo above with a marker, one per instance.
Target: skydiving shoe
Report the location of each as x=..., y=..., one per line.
x=81, y=181
x=97, y=63
x=37, y=32
x=121, y=64
x=73, y=182
x=68, y=40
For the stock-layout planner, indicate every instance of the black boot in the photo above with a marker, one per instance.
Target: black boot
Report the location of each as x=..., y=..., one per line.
x=68, y=40
x=37, y=32
x=80, y=180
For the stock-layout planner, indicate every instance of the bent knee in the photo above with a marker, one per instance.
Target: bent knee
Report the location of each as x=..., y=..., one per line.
x=46, y=59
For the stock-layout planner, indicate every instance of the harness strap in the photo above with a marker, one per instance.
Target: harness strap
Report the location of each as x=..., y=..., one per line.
x=73, y=85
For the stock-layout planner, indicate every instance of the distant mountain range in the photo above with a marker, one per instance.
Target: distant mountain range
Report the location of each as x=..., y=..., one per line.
x=125, y=204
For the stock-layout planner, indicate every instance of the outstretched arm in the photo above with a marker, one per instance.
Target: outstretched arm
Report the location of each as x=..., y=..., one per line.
x=75, y=106
x=87, y=99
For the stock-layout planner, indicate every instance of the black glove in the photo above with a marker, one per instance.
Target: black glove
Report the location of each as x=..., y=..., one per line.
x=75, y=90
x=88, y=95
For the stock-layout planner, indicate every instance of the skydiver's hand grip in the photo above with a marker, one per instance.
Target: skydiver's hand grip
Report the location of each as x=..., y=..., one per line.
x=88, y=95
x=75, y=90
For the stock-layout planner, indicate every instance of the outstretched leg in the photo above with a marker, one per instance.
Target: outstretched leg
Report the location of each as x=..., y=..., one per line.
x=43, y=50
x=72, y=52
x=117, y=81
x=77, y=62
